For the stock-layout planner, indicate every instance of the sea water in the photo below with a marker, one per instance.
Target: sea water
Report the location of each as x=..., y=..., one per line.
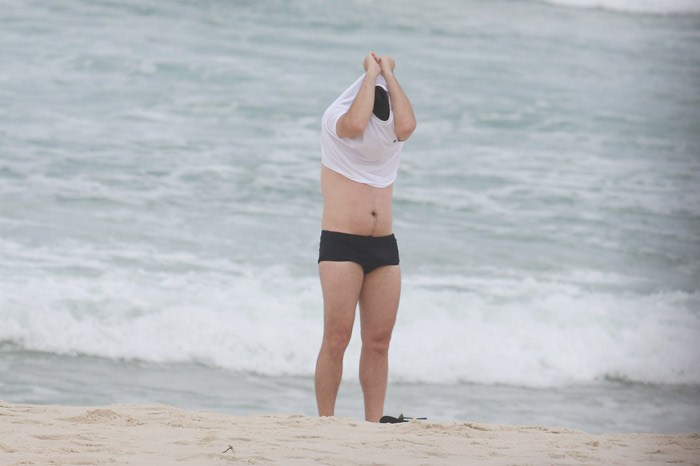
x=160, y=206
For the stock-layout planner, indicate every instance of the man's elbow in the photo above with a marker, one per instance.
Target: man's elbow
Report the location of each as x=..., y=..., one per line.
x=347, y=127
x=355, y=128
x=405, y=130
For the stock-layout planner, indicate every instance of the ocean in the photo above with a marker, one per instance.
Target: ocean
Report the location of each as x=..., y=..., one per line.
x=160, y=206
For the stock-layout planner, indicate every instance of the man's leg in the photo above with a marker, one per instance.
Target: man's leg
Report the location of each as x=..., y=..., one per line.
x=379, y=303
x=341, y=283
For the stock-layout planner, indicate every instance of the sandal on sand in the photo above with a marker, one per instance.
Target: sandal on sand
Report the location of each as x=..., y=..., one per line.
x=396, y=420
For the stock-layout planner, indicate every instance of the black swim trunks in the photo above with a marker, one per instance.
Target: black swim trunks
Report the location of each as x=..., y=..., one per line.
x=370, y=252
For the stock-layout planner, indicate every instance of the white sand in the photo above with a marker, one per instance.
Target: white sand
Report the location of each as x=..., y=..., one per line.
x=162, y=435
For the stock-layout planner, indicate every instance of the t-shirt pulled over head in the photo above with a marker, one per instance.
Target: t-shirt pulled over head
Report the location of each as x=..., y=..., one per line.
x=371, y=157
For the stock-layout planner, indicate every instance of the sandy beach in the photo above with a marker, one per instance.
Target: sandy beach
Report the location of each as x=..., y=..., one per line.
x=163, y=435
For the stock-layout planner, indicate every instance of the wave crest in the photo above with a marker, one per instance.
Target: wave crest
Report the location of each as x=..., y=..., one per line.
x=635, y=6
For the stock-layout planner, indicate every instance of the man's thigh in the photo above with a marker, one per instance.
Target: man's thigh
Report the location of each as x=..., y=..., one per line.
x=379, y=302
x=341, y=283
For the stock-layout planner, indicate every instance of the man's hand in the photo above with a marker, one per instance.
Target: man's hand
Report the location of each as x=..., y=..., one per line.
x=371, y=64
x=386, y=66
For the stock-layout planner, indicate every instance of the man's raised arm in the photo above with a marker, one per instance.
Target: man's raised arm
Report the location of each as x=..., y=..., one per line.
x=354, y=122
x=404, y=120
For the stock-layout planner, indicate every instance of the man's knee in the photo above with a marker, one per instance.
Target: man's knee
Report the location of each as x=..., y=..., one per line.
x=376, y=342
x=336, y=342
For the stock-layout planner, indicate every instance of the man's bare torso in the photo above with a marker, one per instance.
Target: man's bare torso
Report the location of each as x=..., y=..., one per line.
x=355, y=208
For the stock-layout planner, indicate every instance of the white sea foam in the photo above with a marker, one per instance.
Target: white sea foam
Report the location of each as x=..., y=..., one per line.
x=635, y=6
x=507, y=330
x=542, y=333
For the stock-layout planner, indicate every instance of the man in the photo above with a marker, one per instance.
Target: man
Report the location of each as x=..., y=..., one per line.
x=361, y=140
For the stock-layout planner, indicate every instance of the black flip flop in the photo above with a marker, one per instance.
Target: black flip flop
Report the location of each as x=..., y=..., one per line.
x=396, y=420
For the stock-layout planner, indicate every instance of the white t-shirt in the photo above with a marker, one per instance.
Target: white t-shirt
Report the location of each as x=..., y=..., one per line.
x=371, y=157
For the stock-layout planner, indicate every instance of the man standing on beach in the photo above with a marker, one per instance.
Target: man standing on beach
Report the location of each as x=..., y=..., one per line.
x=361, y=140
